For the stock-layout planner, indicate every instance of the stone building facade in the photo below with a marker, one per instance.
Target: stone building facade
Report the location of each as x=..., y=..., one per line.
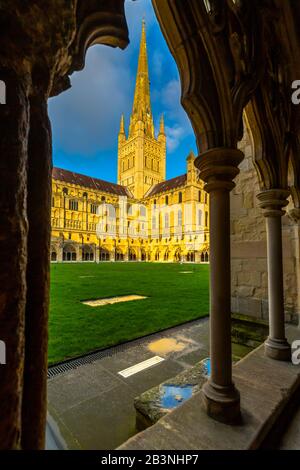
x=142, y=218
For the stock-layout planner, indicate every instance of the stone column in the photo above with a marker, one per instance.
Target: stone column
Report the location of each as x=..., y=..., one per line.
x=294, y=214
x=217, y=168
x=14, y=123
x=272, y=201
x=38, y=275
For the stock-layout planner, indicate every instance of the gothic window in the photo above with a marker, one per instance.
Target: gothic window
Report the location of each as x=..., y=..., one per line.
x=94, y=208
x=73, y=205
x=180, y=197
x=205, y=198
x=167, y=200
x=199, y=196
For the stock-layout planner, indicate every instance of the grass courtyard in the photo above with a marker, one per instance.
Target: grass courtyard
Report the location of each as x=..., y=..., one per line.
x=175, y=294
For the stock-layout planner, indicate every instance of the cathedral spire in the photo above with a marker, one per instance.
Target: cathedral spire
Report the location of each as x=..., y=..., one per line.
x=141, y=110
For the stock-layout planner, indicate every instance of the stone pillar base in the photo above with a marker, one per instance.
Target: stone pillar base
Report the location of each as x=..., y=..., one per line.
x=278, y=349
x=222, y=403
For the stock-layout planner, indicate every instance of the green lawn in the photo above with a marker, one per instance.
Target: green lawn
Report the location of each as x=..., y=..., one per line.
x=75, y=328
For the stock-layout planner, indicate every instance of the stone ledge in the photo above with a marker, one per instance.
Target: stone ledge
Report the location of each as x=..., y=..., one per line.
x=266, y=387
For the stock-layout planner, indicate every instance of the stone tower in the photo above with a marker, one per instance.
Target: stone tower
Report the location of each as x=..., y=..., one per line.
x=141, y=155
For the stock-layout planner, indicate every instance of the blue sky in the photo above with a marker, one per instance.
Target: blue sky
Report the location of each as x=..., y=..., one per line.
x=86, y=119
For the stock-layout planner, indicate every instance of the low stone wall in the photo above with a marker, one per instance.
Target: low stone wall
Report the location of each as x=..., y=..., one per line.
x=249, y=249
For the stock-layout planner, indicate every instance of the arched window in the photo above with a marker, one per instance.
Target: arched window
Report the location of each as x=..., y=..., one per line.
x=132, y=255
x=119, y=255
x=69, y=253
x=167, y=200
x=206, y=219
x=199, y=196
x=180, y=197
x=104, y=254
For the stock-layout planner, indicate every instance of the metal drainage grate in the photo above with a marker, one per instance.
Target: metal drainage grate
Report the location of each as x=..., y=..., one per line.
x=72, y=364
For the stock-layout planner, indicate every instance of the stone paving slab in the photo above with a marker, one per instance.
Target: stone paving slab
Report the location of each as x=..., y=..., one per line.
x=93, y=406
x=265, y=386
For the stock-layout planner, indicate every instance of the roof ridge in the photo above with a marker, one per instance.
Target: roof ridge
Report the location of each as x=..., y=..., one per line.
x=90, y=182
x=94, y=178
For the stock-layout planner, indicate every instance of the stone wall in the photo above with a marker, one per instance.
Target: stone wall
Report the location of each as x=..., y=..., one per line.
x=249, y=249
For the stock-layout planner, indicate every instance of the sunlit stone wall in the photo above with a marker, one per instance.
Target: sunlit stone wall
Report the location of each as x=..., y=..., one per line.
x=249, y=250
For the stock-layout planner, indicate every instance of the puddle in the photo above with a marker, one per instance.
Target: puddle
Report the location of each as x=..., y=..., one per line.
x=166, y=345
x=112, y=300
x=206, y=363
x=174, y=395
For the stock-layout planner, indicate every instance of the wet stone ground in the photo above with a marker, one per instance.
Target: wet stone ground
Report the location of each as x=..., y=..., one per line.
x=92, y=406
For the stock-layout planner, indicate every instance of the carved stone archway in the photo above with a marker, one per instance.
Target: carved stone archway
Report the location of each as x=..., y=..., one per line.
x=49, y=43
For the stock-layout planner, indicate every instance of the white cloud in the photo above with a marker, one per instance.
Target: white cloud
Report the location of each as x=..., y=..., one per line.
x=178, y=125
x=174, y=136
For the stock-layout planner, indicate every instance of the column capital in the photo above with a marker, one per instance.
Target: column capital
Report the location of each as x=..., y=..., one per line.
x=272, y=202
x=294, y=215
x=218, y=167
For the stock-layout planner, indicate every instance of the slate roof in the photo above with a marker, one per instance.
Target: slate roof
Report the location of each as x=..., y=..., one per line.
x=88, y=182
x=167, y=185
